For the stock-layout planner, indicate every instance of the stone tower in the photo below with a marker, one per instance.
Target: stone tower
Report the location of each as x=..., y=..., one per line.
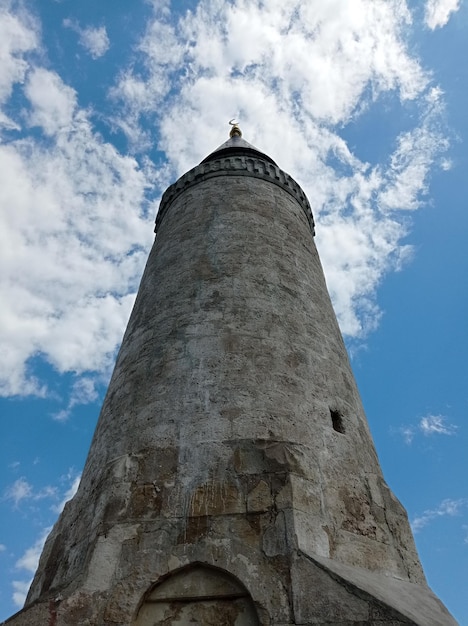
x=232, y=479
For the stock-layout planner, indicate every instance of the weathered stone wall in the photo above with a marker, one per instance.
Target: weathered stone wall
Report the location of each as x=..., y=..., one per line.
x=232, y=435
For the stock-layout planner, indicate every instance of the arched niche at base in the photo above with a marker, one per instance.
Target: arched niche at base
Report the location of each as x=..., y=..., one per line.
x=201, y=595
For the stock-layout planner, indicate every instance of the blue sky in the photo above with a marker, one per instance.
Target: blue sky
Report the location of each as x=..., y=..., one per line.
x=102, y=105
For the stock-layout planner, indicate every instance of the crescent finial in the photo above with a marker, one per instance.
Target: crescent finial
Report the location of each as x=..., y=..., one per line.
x=235, y=130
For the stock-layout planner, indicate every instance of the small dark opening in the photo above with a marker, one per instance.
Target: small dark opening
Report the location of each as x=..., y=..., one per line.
x=337, y=421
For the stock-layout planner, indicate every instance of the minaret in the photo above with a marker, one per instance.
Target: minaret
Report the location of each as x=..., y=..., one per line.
x=232, y=479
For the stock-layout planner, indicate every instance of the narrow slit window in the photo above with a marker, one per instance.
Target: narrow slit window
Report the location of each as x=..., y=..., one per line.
x=337, y=421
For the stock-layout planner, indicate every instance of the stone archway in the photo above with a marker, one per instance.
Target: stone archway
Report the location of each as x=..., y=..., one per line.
x=198, y=595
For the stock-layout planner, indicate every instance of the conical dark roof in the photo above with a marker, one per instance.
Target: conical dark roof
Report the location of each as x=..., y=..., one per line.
x=235, y=145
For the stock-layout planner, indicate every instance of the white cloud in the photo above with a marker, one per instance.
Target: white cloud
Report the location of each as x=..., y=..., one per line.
x=71, y=251
x=74, y=233
x=161, y=7
x=46, y=492
x=2, y=547
x=22, y=490
x=20, y=591
x=94, y=40
x=438, y=12
x=143, y=90
x=18, y=36
x=448, y=507
x=414, y=157
x=428, y=426
x=73, y=240
x=408, y=433
x=53, y=103
x=436, y=425
x=83, y=391
x=18, y=491
x=6, y=123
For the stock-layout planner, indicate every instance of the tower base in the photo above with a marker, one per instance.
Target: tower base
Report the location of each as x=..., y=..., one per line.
x=321, y=592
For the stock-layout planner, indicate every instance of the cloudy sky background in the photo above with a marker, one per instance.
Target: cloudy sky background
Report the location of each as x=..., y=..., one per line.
x=101, y=107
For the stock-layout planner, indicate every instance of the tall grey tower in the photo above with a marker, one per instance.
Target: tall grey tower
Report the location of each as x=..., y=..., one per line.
x=232, y=479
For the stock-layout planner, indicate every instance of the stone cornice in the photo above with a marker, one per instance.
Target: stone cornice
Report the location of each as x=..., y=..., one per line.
x=235, y=166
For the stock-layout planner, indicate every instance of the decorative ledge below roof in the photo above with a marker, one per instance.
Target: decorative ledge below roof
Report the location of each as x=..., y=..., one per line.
x=235, y=166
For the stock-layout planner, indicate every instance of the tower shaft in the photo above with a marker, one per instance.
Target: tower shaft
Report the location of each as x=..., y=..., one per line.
x=232, y=478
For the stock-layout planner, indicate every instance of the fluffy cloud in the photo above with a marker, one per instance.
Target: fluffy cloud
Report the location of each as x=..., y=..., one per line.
x=438, y=12
x=83, y=391
x=94, y=40
x=18, y=36
x=53, y=104
x=143, y=90
x=446, y=508
x=73, y=238
x=21, y=490
x=73, y=242
x=18, y=491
